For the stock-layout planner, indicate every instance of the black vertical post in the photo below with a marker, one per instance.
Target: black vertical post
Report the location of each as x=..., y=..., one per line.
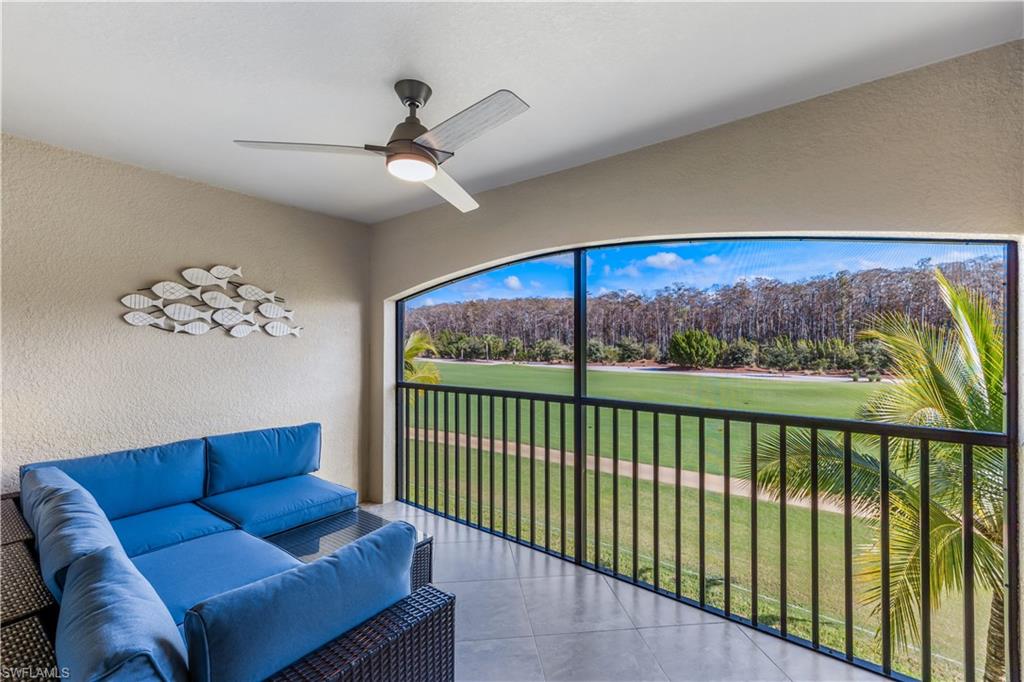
x=597, y=487
x=701, y=538
x=848, y=541
x=753, y=523
x=657, y=504
x=783, y=545
x=924, y=550
x=615, y=490
x=967, y=515
x=447, y=455
x=399, y=395
x=815, y=605
x=504, y=467
x=1011, y=515
x=458, y=437
x=547, y=475
x=636, y=495
x=679, y=505
x=886, y=625
x=726, y=517
x=579, y=391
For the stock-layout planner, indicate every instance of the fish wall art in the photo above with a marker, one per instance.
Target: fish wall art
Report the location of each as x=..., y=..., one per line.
x=221, y=301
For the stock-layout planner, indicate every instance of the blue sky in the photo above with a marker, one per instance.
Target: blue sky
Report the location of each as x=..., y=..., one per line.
x=645, y=268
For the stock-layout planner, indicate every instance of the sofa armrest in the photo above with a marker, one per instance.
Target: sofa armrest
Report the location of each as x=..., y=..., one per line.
x=413, y=639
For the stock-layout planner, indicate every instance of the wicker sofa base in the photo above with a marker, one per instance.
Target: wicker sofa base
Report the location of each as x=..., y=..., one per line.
x=412, y=640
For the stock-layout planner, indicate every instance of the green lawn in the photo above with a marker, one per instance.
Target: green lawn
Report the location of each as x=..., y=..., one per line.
x=825, y=399
x=543, y=426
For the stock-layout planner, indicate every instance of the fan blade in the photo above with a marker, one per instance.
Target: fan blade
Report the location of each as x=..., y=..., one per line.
x=451, y=191
x=471, y=123
x=310, y=147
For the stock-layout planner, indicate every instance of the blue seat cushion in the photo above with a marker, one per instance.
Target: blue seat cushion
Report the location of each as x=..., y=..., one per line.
x=256, y=630
x=134, y=481
x=239, y=460
x=67, y=521
x=113, y=626
x=279, y=505
x=152, y=530
x=189, y=572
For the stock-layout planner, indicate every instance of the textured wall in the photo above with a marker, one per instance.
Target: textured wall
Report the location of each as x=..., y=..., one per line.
x=937, y=151
x=79, y=232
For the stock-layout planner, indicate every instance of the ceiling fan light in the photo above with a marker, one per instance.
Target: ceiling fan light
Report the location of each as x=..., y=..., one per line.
x=411, y=167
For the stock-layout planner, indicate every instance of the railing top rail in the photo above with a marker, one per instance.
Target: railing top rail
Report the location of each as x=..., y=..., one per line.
x=960, y=436
x=496, y=392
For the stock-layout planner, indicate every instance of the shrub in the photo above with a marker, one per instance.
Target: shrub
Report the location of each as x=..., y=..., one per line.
x=694, y=348
x=739, y=353
x=780, y=354
x=514, y=349
x=550, y=350
x=651, y=351
x=597, y=351
x=871, y=356
x=629, y=350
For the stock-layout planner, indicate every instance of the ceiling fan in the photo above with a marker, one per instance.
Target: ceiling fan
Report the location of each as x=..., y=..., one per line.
x=414, y=153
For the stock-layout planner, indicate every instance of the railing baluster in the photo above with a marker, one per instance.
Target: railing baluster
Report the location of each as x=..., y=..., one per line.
x=458, y=438
x=597, y=487
x=657, y=508
x=416, y=451
x=925, y=556
x=679, y=506
x=409, y=457
x=753, y=523
x=883, y=453
x=547, y=475
x=726, y=516
x=561, y=474
x=446, y=454
x=701, y=513
x=615, y=490
x=783, y=592
x=848, y=540
x=434, y=428
x=636, y=496
x=815, y=603
x=469, y=458
x=480, y=460
x=504, y=467
x=967, y=514
x=519, y=468
x=490, y=467
x=533, y=479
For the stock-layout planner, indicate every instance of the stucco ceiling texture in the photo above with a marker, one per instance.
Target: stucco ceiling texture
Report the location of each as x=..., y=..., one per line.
x=167, y=86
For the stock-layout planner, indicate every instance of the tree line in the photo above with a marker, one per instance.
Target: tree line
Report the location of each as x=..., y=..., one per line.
x=808, y=324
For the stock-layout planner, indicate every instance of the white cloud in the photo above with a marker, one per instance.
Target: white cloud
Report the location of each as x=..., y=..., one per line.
x=666, y=260
x=628, y=271
x=711, y=260
x=513, y=283
x=606, y=270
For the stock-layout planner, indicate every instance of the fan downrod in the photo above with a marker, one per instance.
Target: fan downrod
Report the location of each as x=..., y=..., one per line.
x=413, y=93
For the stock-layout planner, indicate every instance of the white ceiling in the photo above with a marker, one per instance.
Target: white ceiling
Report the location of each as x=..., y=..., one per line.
x=168, y=86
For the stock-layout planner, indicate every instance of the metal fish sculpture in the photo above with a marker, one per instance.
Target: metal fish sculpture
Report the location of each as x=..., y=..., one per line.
x=203, y=278
x=174, y=291
x=215, y=299
x=138, y=302
x=242, y=330
x=193, y=328
x=140, y=319
x=280, y=329
x=254, y=293
x=272, y=310
x=230, y=316
x=186, y=313
x=225, y=272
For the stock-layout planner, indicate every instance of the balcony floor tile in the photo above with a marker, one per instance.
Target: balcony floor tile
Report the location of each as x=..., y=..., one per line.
x=498, y=660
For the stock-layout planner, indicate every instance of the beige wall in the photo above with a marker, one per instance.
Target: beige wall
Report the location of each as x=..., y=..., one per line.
x=935, y=151
x=80, y=232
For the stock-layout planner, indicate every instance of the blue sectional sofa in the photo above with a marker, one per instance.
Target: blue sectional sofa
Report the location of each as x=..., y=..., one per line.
x=158, y=561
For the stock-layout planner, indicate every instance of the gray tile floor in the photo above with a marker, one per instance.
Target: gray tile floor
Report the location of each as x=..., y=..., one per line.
x=521, y=615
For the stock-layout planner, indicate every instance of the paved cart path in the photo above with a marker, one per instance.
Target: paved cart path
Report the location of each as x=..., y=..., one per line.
x=666, y=475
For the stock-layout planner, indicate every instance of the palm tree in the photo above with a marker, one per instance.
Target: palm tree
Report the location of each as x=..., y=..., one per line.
x=949, y=378
x=416, y=371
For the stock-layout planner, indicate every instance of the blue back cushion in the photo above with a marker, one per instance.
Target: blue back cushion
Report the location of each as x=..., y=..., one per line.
x=134, y=481
x=67, y=521
x=240, y=460
x=113, y=626
x=256, y=630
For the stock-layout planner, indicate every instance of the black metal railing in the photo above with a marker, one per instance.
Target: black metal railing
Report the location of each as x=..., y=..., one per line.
x=781, y=522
